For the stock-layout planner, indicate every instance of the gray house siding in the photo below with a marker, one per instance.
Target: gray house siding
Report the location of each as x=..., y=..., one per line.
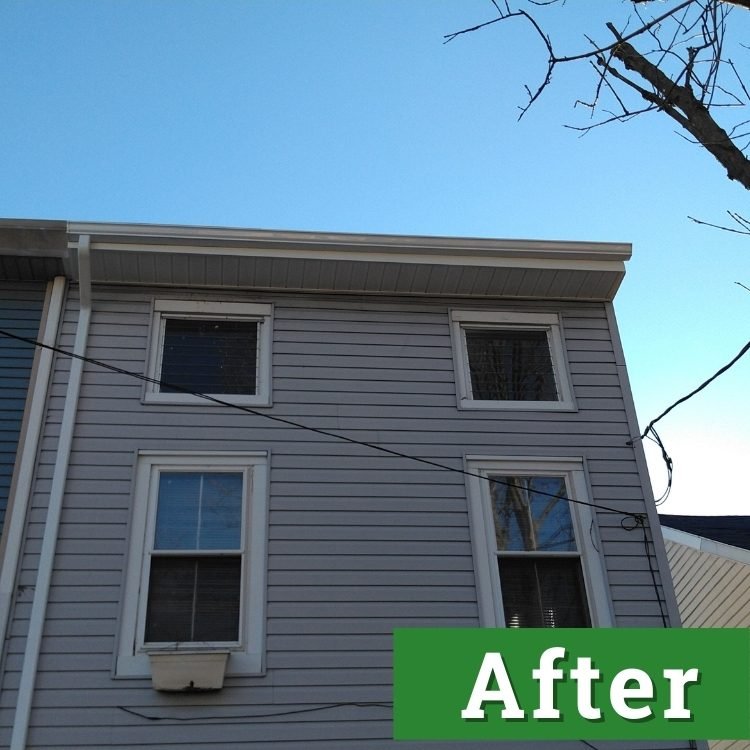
x=359, y=542
x=20, y=312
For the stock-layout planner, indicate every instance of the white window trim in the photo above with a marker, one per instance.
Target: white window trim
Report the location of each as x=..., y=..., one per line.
x=199, y=309
x=246, y=657
x=549, y=322
x=482, y=528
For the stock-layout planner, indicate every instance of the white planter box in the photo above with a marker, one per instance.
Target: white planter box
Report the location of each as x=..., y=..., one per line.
x=185, y=671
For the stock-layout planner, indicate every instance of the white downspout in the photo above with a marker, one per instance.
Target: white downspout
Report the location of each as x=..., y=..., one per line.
x=54, y=509
x=20, y=493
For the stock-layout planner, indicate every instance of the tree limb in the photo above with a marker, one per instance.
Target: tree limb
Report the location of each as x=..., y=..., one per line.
x=680, y=103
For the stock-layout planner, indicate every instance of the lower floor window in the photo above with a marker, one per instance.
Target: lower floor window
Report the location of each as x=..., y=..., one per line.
x=536, y=562
x=196, y=571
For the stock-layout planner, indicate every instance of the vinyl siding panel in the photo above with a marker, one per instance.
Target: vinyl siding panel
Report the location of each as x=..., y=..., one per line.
x=359, y=542
x=20, y=313
x=712, y=592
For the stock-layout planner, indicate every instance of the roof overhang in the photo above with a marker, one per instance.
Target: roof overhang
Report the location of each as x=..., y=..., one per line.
x=170, y=255
x=33, y=250
x=360, y=263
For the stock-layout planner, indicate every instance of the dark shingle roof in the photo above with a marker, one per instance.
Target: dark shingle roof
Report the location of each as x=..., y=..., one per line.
x=734, y=530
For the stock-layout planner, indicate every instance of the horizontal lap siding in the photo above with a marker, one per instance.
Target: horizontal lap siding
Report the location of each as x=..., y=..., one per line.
x=20, y=313
x=359, y=542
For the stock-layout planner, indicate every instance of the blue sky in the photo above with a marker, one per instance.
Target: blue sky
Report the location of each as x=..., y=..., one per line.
x=353, y=116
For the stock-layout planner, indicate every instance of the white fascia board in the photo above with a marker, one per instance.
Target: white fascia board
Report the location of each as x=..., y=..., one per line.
x=702, y=544
x=372, y=247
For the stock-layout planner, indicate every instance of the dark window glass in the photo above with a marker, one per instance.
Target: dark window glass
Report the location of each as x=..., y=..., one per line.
x=532, y=514
x=193, y=599
x=209, y=356
x=510, y=365
x=526, y=520
x=543, y=592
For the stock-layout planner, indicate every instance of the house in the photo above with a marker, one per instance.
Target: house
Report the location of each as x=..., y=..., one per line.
x=267, y=540
x=709, y=557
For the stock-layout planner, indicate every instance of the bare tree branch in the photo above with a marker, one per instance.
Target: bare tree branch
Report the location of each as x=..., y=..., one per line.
x=680, y=103
x=680, y=70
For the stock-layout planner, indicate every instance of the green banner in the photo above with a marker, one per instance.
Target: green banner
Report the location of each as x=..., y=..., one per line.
x=555, y=684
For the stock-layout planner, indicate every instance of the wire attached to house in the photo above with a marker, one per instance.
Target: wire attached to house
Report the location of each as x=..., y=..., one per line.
x=327, y=433
x=720, y=371
x=651, y=433
x=273, y=715
x=654, y=438
x=637, y=519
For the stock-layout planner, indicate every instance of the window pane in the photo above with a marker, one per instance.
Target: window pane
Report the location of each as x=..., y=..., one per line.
x=526, y=520
x=193, y=599
x=210, y=356
x=510, y=365
x=199, y=510
x=543, y=593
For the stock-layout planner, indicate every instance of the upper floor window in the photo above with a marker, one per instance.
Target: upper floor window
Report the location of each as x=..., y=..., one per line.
x=222, y=349
x=537, y=564
x=510, y=360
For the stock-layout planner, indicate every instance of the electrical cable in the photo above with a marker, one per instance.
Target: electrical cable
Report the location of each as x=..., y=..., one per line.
x=299, y=425
x=667, y=462
x=293, y=712
x=692, y=393
x=638, y=519
x=650, y=430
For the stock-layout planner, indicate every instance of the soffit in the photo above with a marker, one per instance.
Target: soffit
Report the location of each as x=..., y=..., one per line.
x=32, y=250
x=373, y=264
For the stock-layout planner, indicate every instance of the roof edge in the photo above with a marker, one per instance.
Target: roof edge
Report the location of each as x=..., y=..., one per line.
x=172, y=234
x=703, y=544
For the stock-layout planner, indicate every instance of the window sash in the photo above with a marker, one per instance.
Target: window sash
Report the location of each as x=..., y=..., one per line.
x=208, y=376
x=526, y=518
x=553, y=386
x=487, y=557
x=152, y=553
x=509, y=363
x=256, y=388
x=540, y=591
x=194, y=599
x=189, y=513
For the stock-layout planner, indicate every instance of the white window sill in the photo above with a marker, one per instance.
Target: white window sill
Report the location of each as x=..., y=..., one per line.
x=239, y=663
x=188, y=398
x=468, y=403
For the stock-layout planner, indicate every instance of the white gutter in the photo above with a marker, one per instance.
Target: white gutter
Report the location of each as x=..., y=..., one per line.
x=144, y=236
x=54, y=509
x=20, y=492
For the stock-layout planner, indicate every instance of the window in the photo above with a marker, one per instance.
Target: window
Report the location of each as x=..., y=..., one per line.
x=536, y=560
x=509, y=360
x=196, y=571
x=222, y=349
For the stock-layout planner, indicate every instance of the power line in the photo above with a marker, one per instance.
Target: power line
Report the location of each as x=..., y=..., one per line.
x=705, y=383
x=639, y=518
x=292, y=712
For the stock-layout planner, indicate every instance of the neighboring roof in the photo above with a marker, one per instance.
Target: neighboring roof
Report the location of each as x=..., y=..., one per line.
x=732, y=530
x=32, y=250
x=337, y=262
